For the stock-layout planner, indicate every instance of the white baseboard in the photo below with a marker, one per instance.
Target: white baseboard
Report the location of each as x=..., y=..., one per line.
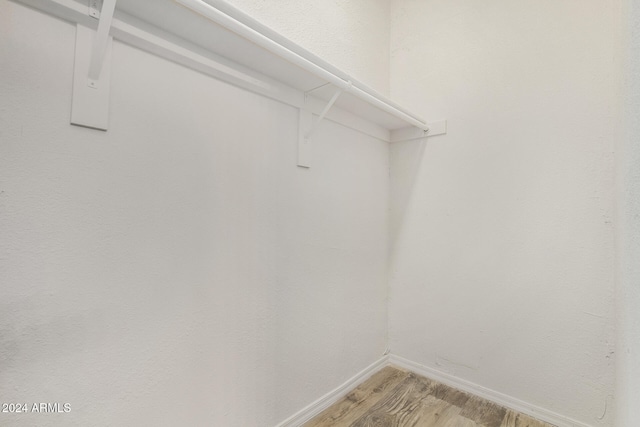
x=480, y=391
x=310, y=411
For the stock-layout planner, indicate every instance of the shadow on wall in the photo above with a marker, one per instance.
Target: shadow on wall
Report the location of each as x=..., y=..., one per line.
x=406, y=160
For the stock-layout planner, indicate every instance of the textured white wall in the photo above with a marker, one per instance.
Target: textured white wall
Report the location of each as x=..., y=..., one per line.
x=503, y=266
x=353, y=35
x=628, y=227
x=178, y=269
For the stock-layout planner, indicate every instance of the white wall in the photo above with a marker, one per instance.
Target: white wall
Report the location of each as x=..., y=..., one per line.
x=178, y=269
x=353, y=35
x=628, y=227
x=503, y=262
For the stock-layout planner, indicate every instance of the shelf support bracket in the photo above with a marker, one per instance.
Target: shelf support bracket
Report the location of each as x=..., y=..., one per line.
x=324, y=112
x=307, y=127
x=100, y=42
x=92, y=71
x=412, y=133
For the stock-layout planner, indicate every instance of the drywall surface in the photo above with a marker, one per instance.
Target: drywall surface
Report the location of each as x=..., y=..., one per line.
x=353, y=35
x=628, y=228
x=503, y=262
x=178, y=269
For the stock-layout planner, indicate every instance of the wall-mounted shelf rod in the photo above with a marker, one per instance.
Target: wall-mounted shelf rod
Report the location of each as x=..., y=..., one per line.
x=247, y=27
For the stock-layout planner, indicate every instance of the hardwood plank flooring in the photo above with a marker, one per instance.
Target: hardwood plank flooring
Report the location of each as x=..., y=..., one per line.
x=396, y=398
x=483, y=412
x=515, y=419
x=360, y=399
x=399, y=407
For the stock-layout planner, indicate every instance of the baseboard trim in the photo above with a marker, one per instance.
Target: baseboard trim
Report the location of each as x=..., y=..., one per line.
x=480, y=391
x=310, y=411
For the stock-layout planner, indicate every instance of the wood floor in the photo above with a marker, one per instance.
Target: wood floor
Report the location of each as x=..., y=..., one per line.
x=396, y=398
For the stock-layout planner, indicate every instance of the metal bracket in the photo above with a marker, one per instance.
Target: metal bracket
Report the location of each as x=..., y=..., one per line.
x=411, y=133
x=94, y=8
x=324, y=112
x=315, y=89
x=100, y=42
x=307, y=127
x=92, y=71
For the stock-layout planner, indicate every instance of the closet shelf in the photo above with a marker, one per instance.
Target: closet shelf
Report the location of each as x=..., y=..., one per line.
x=217, y=39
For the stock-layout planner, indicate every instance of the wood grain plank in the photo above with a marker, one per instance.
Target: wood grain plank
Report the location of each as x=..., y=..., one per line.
x=434, y=412
x=516, y=419
x=448, y=394
x=458, y=421
x=359, y=400
x=483, y=412
x=397, y=408
x=396, y=398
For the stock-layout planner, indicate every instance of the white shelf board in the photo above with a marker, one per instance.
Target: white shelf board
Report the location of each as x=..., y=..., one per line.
x=165, y=28
x=190, y=26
